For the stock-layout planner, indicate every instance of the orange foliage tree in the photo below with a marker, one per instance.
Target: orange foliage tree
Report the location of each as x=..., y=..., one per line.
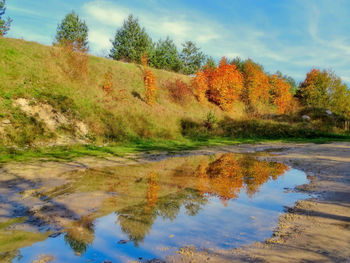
x=281, y=96
x=200, y=85
x=149, y=82
x=256, y=84
x=226, y=85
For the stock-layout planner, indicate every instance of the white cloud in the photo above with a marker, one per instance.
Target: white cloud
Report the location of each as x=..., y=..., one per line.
x=108, y=16
x=293, y=52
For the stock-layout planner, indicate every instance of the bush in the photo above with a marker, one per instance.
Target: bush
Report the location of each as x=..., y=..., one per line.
x=179, y=91
x=253, y=129
x=73, y=63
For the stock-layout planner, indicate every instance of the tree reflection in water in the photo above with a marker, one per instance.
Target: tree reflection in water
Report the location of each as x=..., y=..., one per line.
x=224, y=178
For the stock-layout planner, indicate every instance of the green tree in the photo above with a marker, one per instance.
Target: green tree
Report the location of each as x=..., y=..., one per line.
x=131, y=42
x=166, y=56
x=73, y=31
x=209, y=64
x=238, y=62
x=4, y=24
x=192, y=58
x=324, y=89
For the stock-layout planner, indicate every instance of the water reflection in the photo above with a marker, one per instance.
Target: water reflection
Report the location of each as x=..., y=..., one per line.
x=178, y=196
x=224, y=178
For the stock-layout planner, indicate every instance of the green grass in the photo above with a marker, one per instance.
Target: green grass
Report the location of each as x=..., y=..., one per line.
x=70, y=153
x=121, y=119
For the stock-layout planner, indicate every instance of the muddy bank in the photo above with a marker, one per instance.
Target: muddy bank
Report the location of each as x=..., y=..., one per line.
x=315, y=230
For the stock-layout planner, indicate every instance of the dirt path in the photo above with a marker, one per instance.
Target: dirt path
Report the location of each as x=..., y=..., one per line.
x=315, y=230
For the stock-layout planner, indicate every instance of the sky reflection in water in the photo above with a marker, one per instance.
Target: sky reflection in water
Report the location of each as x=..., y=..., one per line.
x=221, y=201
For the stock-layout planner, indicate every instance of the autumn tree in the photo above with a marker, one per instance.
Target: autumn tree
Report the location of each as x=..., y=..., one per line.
x=131, y=41
x=192, y=58
x=72, y=31
x=281, y=95
x=290, y=80
x=4, y=24
x=256, y=84
x=226, y=85
x=200, y=86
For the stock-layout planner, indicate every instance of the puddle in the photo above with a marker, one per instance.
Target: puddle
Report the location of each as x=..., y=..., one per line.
x=148, y=211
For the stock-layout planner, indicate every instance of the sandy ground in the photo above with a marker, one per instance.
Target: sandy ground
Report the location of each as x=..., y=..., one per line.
x=315, y=230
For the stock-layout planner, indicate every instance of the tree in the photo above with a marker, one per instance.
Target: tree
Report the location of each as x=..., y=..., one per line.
x=73, y=31
x=166, y=56
x=256, y=84
x=281, y=95
x=290, y=80
x=200, y=85
x=192, y=58
x=131, y=42
x=324, y=89
x=209, y=64
x=238, y=62
x=4, y=24
x=226, y=85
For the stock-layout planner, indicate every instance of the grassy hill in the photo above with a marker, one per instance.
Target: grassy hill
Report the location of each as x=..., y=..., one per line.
x=47, y=101
x=38, y=74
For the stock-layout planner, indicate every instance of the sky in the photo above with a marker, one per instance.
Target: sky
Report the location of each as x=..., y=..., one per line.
x=291, y=36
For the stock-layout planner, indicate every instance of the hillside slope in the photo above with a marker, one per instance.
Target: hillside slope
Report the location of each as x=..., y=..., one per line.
x=41, y=104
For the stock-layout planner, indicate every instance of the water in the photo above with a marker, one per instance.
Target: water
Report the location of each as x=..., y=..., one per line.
x=150, y=211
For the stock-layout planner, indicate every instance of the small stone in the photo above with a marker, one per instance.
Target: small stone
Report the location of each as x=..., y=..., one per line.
x=6, y=122
x=171, y=236
x=252, y=217
x=306, y=118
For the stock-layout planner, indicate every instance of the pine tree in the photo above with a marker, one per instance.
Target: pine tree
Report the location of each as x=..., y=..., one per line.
x=166, y=56
x=192, y=58
x=73, y=31
x=4, y=24
x=131, y=42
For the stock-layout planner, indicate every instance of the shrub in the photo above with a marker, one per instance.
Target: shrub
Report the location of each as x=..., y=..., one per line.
x=73, y=63
x=150, y=87
x=108, y=82
x=210, y=121
x=149, y=82
x=179, y=91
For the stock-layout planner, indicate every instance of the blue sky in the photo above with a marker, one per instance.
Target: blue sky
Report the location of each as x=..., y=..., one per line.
x=287, y=35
